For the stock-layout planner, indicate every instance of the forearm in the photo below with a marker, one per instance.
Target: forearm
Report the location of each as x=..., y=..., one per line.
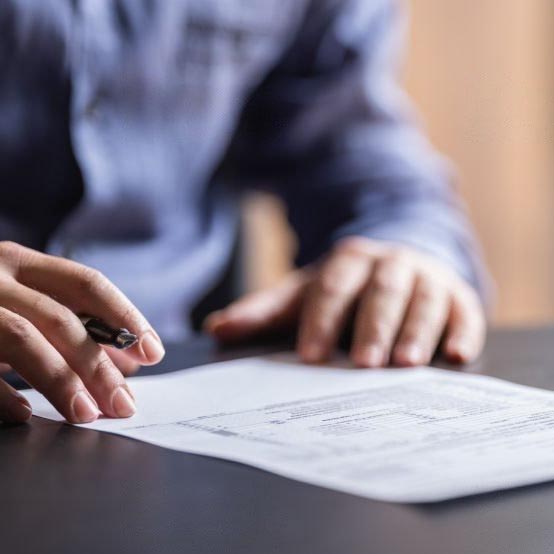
x=332, y=132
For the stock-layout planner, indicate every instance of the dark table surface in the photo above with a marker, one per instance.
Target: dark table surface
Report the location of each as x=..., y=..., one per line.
x=69, y=490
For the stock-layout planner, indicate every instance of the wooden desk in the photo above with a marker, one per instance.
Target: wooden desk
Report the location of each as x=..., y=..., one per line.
x=67, y=490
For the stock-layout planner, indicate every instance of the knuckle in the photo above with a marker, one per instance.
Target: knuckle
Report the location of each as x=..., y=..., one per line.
x=388, y=283
x=9, y=249
x=426, y=293
x=399, y=255
x=18, y=330
x=56, y=317
x=104, y=369
x=10, y=253
x=330, y=283
x=358, y=246
x=133, y=321
x=91, y=281
x=7, y=283
x=60, y=379
x=61, y=320
x=349, y=249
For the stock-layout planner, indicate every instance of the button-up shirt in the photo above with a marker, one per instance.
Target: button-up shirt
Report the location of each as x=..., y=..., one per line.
x=130, y=128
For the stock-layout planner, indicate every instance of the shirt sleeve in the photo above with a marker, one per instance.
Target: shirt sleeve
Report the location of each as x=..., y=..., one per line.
x=331, y=132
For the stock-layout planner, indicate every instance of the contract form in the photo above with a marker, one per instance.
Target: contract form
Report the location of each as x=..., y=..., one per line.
x=400, y=435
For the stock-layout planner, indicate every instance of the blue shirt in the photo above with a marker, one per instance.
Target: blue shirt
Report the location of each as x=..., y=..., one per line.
x=130, y=128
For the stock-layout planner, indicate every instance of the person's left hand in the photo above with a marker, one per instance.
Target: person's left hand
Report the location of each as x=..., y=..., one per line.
x=405, y=304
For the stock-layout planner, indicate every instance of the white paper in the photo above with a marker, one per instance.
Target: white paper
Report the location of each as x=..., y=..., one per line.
x=413, y=435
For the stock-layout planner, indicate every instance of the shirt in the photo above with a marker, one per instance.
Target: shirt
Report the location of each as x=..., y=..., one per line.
x=130, y=128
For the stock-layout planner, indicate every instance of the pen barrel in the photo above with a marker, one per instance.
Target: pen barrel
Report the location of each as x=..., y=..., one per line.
x=102, y=333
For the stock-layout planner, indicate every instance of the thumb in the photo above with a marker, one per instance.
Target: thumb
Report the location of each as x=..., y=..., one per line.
x=260, y=312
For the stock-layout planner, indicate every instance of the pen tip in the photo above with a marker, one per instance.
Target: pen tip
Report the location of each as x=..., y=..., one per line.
x=125, y=340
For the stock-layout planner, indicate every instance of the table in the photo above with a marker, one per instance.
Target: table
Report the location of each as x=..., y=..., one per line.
x=77, y=491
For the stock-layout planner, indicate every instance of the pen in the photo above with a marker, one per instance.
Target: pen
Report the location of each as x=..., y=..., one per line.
x=104, y=334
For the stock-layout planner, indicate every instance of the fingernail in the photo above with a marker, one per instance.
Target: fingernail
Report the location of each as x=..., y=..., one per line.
x=152, y=348
x=311, y=352
x=122, y=403
x=412, y=354
x=370, y=356
x=83, y=408
x=22, y=409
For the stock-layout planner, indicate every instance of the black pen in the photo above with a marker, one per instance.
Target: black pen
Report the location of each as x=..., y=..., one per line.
x=104, y=334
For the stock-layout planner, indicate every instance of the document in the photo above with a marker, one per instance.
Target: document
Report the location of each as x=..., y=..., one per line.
x=398, y=435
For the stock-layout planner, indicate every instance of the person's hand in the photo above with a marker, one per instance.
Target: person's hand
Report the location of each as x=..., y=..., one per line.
x=43, y=339
x=404, y=304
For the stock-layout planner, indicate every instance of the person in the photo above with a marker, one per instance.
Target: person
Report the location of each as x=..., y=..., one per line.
x=128, y=133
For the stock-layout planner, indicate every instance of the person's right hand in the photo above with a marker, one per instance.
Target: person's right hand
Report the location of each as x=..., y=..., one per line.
x=43, y=339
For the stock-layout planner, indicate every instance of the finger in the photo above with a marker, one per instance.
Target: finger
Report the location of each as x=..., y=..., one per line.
x=381, y=312
x=87, y=292
x=259, y=312
x=14, y=407
x=424, y=323
x=466, y=329
x=37, y=361
x=328, y=302
x=124, y=363
x=65, y=332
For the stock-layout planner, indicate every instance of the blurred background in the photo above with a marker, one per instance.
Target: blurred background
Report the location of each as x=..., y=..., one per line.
x=482, y=77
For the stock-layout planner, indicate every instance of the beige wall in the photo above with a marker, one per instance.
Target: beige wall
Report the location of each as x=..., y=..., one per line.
x=481, y=74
